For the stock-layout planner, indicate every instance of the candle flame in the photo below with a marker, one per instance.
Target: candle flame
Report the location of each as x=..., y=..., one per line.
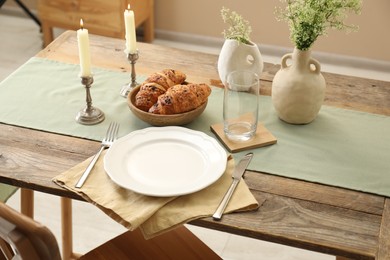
x=81, y=24
x=128, y=6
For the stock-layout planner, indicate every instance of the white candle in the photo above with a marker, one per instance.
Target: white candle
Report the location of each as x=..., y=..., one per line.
x=130, y=31
x=84, y=54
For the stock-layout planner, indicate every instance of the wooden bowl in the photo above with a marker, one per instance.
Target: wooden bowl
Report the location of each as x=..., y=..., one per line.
x=163, y=120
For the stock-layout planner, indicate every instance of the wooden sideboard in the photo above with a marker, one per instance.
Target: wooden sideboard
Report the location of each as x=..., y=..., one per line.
x=99, y=16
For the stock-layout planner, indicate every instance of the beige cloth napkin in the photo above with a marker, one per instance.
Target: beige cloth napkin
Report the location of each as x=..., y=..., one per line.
x=154, y=215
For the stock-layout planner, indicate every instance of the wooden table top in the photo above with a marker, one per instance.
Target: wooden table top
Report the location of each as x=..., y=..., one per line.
x=296, y=213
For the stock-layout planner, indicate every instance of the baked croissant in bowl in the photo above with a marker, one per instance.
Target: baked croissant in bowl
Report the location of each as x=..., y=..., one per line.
x=181, y=98
x=155, y=85
x=165, y=98
x=160, y=119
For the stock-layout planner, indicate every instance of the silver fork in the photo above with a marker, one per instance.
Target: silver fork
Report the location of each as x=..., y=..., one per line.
x=111, y=135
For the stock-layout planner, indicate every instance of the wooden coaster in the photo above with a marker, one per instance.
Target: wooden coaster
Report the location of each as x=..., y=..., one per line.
x=262, y=138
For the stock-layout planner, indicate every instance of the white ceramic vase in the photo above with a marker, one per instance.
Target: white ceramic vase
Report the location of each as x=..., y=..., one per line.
x=298, y=89
x=239, y=56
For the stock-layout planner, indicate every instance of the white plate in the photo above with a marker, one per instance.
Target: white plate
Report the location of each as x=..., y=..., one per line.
x=165, y=161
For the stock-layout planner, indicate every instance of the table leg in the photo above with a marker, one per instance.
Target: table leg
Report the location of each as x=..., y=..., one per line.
x=47, y=33
x=27, y=202
x=66, y=228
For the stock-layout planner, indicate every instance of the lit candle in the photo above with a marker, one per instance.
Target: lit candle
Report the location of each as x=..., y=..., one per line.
x=130, y=31
x=84, y=55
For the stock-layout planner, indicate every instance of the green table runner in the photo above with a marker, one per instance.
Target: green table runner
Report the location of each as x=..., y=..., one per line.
x=341, y=147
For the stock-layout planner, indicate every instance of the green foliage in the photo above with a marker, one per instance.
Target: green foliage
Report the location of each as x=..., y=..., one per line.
x=309, y=19
x=239, y=29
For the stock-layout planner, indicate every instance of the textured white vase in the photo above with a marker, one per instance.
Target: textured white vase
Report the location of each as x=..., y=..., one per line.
x=298, y=89
x=239, y=56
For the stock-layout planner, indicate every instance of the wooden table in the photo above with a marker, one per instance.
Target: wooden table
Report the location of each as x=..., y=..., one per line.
x=296, y=213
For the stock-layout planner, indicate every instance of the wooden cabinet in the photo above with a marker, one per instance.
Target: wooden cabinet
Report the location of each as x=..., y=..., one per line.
x=100, y=17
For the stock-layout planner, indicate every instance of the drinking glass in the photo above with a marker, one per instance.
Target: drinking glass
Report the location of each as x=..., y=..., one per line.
x=240, y=105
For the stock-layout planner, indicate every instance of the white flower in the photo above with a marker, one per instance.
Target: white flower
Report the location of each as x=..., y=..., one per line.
x=309, y=19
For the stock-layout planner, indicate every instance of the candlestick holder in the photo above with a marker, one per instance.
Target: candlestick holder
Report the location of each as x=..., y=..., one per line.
x=89, y=115
x=132, y=57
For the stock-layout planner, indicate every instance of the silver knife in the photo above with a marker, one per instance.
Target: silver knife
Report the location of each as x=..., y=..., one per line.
x=239, y=170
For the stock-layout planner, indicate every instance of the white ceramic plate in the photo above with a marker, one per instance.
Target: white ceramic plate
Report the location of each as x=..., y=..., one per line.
x=165, y=161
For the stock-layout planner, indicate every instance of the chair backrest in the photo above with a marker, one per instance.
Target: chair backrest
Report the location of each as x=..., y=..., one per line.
x=23, y=238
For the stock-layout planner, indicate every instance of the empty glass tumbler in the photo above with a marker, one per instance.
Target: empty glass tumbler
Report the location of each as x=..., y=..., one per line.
x=241, y=105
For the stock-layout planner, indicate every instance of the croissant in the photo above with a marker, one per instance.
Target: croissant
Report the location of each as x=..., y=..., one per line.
x=155, y=85
x=181, y=98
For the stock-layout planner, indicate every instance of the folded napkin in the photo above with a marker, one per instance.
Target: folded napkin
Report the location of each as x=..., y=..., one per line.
x=154, y=215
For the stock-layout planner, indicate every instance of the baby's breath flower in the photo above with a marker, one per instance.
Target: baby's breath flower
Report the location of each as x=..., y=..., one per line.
x=239, y=29
x=309, y=19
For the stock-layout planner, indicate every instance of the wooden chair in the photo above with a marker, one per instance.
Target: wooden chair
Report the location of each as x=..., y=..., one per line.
x=100, y=17
x=25, y=238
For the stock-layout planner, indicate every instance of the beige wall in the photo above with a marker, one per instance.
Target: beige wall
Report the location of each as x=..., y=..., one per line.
x=202, y=17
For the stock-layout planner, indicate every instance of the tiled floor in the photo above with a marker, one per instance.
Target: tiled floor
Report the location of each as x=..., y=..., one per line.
x=20, y=40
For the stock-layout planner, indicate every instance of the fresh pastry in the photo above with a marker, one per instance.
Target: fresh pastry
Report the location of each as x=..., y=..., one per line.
x=156, y=85
x=147, y=95
x=181, y=98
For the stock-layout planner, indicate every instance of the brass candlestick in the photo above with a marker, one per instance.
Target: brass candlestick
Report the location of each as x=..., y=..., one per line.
x=89, y=115
x=132, y=57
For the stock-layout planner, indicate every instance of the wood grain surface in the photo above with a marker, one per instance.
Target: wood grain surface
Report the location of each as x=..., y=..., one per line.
x=307, y=215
